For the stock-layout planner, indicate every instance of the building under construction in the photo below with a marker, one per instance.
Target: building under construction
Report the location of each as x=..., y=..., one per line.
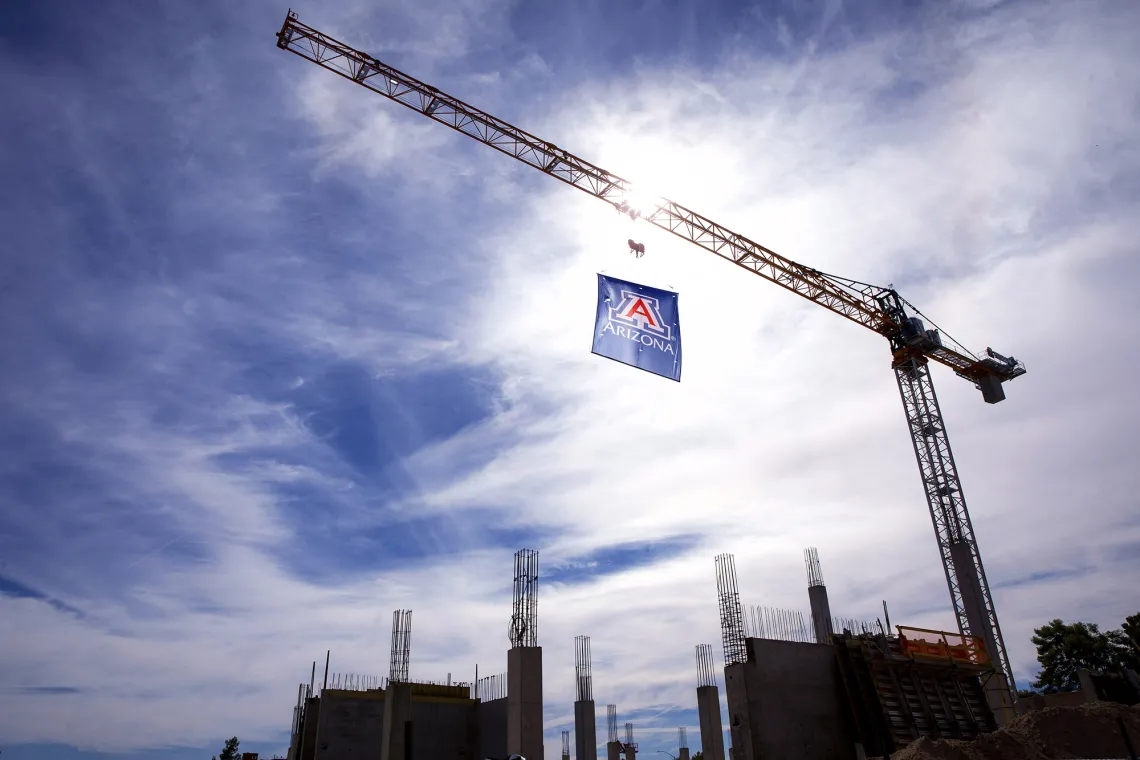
x=397, y=718
x=826, y=675
x=837, y=689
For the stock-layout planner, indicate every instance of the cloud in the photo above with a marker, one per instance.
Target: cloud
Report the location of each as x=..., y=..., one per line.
x=342, y=367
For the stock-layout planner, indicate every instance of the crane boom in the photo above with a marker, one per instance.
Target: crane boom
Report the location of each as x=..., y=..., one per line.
x=876, y=308
x=880, y=309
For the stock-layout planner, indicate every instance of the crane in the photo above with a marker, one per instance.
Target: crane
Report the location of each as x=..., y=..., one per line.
x=913, y=343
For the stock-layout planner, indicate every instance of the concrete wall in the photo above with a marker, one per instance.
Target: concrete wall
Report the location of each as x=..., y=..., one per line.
x=712, y=730
x=1060, y=699
x=308, y=740
x=585, y=731
x=492, y=728
x=349, y=726
x=524, y=702
x=346, y=725
x=787, y=701
x=447, y=729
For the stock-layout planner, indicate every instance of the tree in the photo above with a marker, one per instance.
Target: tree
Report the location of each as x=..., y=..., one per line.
x=698, y=755
x=1064, y=648
x=230, y=751
x=1130, y=641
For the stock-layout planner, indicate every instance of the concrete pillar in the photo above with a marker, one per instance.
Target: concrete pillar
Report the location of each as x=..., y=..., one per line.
x=739, y=711
x=524, y=702
x=613, y=750
x=397, y=732
x=630, y=752
x=585, y=731
x=683, y=753
x=1088, y=688
x=712, y=730
x=308, y=740
x=998, y=694
x=820, y=613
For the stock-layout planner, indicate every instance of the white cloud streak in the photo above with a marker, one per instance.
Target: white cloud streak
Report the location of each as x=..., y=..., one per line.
x=994, y=192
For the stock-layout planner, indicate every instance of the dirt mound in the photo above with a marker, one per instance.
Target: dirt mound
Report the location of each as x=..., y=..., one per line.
x=1055, y=733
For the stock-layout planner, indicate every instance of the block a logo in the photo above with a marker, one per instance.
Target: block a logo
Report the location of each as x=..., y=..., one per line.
x=640, y=312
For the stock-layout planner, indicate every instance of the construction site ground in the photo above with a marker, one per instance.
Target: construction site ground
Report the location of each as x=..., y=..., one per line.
x=1085, y=731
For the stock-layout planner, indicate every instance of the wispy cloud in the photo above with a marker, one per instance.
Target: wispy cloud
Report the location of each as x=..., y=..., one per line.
x=283, y=358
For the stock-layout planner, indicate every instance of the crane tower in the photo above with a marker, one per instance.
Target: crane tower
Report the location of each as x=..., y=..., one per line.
x=913, y=343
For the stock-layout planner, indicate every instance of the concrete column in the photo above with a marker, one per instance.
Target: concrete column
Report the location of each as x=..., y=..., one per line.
x=585, y=731
x=308, y=740
x=739, y=711
x=630, y=753
x=613, y=750
x=524, y=702
x=820, y=613
x=712, y=730
x=397, y=722
x=683, y=753
x=1088, y=688
x=998, y=694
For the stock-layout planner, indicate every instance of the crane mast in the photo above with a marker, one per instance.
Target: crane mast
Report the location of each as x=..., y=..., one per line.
x=880, y=309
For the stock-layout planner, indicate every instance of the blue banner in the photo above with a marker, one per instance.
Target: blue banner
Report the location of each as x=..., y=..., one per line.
x=638, y=325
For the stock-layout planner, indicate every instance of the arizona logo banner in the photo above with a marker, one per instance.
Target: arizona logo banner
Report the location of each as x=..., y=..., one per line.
x=638, y=325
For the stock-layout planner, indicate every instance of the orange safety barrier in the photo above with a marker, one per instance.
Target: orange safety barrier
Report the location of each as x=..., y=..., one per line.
x=942, y=645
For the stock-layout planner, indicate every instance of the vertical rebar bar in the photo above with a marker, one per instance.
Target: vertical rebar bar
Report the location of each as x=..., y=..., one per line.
x=814, y=572
x=611, y=722
x=401, y=645
x=731, y=620
x=523, y=630
x=706, y=666
x=583, y=669
x=682, y=738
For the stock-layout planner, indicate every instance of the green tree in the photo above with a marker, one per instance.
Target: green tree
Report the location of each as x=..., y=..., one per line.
x=230, y=751
x=698, y=755
x=1064, y=648
x=1129, y=638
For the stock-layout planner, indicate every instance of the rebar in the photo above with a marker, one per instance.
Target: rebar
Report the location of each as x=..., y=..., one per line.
x=814, y=571
x=629, y=736
x=611, y=722
x=523, y=630
x=776, y=624
x=583, y=670
x=565, y=744
x=706, y=666
x=855, y=626
x=682, y=738
x=731, y=622
x=401, y=645
x=490, y=688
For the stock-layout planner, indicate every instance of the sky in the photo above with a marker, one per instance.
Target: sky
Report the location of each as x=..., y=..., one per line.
x=282, y=356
